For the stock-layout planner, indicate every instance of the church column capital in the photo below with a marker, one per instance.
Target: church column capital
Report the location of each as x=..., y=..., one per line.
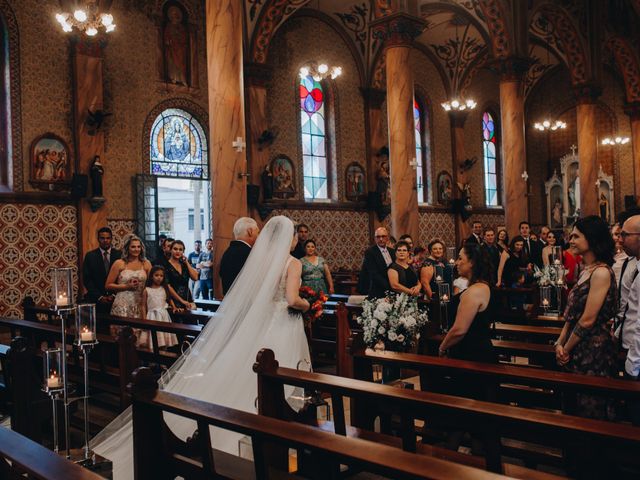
x=632, y=109
x=397, y=30
x=373, y=96
x=257, y=74
x=587, y=93
x=511, y=69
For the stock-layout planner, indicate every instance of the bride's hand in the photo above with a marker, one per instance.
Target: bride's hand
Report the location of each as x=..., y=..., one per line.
x=308, y=305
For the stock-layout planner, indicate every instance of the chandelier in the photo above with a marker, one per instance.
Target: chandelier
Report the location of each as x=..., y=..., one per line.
x=549, y=125
x=320, y=72
x=458, y=105
x=615, y=141
x=87, y=19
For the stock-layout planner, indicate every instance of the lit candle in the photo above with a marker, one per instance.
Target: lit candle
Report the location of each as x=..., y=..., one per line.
x=438, y=278
x=545, y=302
x=560, y=282
x=54, y=381
x=86, y=335
x=62, y=300
x=556, y=262
x=445, y=298
x=451, y=261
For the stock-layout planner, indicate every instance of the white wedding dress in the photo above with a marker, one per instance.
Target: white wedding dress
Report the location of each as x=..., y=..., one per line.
x=217, y=368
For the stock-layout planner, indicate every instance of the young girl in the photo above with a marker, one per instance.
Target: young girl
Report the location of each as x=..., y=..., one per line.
x=154, y=305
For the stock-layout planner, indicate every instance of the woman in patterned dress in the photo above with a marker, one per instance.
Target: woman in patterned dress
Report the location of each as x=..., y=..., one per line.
x=585, y=344
x=179, y=272
x=315, y=270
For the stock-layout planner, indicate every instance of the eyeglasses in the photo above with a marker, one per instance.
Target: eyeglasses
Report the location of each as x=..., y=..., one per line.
x=624, y=234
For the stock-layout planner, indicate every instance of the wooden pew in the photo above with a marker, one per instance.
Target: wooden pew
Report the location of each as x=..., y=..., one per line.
x=595, y=439
x=270, y=438
x=20, y=456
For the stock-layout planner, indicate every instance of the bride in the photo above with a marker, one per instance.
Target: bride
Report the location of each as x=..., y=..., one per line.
x=217, y=368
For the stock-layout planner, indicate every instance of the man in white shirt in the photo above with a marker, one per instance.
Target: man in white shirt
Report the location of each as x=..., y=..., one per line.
x=629, y=322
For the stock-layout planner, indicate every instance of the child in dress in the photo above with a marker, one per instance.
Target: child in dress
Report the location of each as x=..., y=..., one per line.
x=154, y=305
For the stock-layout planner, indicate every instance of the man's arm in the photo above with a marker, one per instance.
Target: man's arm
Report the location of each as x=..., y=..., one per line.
x=378, y=279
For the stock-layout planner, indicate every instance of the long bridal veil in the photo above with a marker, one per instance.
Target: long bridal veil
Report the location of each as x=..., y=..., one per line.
x=217, y=367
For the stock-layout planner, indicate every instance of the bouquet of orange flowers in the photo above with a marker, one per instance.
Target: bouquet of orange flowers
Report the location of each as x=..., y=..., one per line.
x=316, y=300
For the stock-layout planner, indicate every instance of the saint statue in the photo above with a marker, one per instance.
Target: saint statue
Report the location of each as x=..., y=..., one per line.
x=267, y=183
x=175, y=38
x=96, y=173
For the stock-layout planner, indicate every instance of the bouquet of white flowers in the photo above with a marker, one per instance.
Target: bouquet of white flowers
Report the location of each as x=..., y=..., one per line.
x=394, y=321
x=547, y=276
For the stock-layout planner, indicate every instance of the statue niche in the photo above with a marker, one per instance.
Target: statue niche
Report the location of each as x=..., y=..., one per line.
x=177, y=42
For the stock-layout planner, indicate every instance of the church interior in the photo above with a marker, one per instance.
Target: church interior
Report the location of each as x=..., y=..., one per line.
x=423, y=118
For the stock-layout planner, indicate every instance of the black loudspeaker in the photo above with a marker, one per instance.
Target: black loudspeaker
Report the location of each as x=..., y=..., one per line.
x=630, y=202
x=253, y=195
x=79, y=186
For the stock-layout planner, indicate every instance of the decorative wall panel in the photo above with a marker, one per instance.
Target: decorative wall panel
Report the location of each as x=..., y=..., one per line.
x=34, y=239
x=121, y=227
x=436, y=225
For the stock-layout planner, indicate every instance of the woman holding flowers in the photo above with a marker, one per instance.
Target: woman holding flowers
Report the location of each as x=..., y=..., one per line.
x=315, y=270
x=470, y=336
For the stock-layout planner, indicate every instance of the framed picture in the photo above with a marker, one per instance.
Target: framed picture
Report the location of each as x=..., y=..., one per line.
x=445, y=187
x=354, y=186
x=50, y=165
x=284, y=177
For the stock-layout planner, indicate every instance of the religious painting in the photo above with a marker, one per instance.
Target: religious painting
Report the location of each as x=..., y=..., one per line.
x=383, y=183
x=354, y=182
x=283, y=177
x=445, y=187
x=177, y=45
x=50, y=165
x=555, y=204
x=178, y=146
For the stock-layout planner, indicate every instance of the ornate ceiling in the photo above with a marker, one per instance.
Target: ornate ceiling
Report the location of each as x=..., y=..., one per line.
x=461, y=36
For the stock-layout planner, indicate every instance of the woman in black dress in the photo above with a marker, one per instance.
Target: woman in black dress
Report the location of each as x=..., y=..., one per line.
x=402, y=278
x=513, y=262
x=179, y=271
x=434, y=269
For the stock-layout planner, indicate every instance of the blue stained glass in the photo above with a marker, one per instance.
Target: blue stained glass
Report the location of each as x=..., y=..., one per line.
x=489, y=144
x=178, y=146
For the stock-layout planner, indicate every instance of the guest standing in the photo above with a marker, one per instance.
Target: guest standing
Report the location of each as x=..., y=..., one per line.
x=620, y=255
x=585, y=344
x=547, y=251
x=179, y=272
x=95, y=268
x=127, y=277
x=315, y=270
x=205, y=265
x=402, y=278
x=494, y=253
x=193, y=258
x=245, y=232
x=476, y=234
x=303, y=236
x=503, y=240
x=432, y=268
x=155, y=306
x=513, y=263
x=374, y=281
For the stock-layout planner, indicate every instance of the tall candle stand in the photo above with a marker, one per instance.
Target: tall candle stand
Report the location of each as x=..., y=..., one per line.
x=53, y=386
x=545, y=297
x=86, y=339
x=560, y=285
x=444, y=297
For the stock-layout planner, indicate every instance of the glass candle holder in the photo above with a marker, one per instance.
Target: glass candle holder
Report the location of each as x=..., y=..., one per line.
x=451, y=255
x=439, y=273
x=52, y=363
x=560, y=274
x=443, y=292
x=62, y=287
x=556, y=255
x=545, y=296
x=85, y=324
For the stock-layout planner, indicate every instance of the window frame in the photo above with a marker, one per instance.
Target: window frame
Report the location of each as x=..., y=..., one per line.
x=426, y=163
x=498, y=160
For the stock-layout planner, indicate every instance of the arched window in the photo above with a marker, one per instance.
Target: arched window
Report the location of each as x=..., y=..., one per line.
x=178, y=146
x=490, y=155
x=314, y=139
x=423, y=152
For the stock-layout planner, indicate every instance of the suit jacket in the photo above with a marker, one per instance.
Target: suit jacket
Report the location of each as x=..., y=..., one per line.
x=472, y=239
x=374, y=279
x=299, y=251
x=534, y=252
x=231, y=263
x=494, y=258
x=94, y=275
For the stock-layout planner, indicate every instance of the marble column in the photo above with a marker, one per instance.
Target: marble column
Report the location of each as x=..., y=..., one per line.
x=514, y=158
x=226, y=121
x=460, y=178
x=375, y=138
x=257, y=77
x=88, y=93
x=587, y=148
x=398, y=31
x=633, y=110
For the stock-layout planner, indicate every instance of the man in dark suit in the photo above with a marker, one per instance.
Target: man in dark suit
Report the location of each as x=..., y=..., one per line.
x=245, y=232
x=95, y=268
x=476, y=234
x=532, y=248
x=494, y=253
x=374, y=280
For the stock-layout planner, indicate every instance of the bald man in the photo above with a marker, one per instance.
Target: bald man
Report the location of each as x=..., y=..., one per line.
x=374, y=281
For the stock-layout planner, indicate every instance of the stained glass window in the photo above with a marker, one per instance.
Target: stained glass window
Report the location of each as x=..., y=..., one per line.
x=489, y=144
x=314, y=140
x=423, y=152
x=179, y=146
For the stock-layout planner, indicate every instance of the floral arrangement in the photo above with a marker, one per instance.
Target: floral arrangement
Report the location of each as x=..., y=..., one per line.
x=316, y=300
x=548, y=275
x=394, y=321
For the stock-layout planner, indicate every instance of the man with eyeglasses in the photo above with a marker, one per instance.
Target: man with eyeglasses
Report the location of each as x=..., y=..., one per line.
x=373, y=280
x=627, y=320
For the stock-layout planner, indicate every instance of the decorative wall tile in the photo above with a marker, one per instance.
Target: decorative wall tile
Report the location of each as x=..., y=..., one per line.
x=436, y=225
x=121, y=227
x=34, y=239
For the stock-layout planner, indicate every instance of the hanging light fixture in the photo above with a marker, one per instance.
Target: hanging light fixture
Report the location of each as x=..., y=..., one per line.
x=320, y=71
x=548, y=124
x=88, y=19
x=618, y=139
x=458, y=104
